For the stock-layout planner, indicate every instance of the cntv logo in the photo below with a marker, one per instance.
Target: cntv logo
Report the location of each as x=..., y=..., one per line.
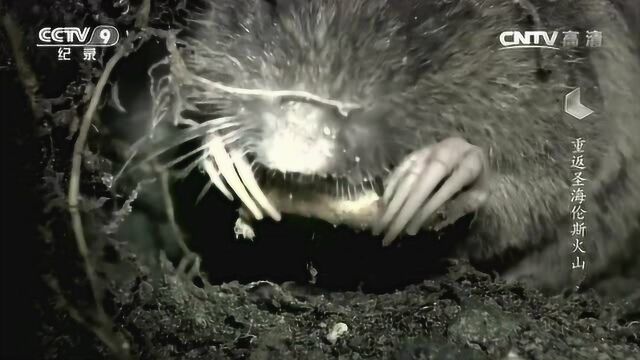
x=528, y=39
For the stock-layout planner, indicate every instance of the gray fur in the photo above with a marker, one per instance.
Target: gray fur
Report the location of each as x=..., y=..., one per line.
x=427, y=70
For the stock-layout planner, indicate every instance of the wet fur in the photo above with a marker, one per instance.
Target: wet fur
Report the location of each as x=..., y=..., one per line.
x=429, y=70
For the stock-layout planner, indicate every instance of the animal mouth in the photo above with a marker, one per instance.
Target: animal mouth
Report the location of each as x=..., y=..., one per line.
x=332, y=185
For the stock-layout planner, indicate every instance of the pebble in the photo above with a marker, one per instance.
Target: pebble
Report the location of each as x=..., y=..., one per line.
x=338, y=330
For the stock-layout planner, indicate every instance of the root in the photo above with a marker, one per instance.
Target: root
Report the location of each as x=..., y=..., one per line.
x=76, y=170
x=179, y=68
x=168, y=204
x=25, y=72
x=116, y=342
x=344, y=108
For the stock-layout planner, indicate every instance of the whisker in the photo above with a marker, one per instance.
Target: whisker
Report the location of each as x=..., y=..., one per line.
x=204, y=191
x=179, y=159
x=127, y=162
x=187, y=170
x=188, y=135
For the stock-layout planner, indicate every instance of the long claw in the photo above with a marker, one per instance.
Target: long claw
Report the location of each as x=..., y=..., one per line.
x=463, y=205
x=395, y=178
x=249, y=180
x=215, y=178
x=399, y=198
x=429, y=179
x=400, y=173
x=227, y=169
x=464, y=175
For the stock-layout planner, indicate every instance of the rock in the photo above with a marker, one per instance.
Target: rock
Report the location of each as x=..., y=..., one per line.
x=337, y=330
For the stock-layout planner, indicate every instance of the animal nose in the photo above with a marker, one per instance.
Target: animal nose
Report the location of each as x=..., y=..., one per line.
x=305, y=119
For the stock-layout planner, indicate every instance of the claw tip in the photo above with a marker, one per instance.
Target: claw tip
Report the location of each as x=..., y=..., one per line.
x=386, y=242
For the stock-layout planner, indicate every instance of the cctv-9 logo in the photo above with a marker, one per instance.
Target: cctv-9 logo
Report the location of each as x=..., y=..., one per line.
x=104, y=35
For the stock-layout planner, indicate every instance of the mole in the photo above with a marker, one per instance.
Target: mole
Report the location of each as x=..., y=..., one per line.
x=400, y=117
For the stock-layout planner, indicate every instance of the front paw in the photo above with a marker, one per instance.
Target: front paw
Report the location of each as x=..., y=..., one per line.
x=412, y=195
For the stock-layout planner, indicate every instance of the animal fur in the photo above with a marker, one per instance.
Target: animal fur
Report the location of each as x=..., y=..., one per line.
x=428, y=70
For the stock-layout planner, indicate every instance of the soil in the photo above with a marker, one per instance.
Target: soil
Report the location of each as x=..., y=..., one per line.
x=302, y=290
x=462, y=315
